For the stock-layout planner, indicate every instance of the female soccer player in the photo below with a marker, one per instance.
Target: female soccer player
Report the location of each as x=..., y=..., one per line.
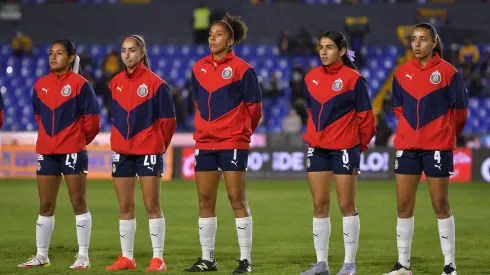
x=229, y=106
x=67, y=112
x=143, y=116
x=430, y=101
x=340, y=126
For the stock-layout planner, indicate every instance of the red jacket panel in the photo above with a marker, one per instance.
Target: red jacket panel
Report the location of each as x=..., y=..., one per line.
x=431, y=104
x=228, y=100
x=142, y=112
x=340, y=114
x=67, y=112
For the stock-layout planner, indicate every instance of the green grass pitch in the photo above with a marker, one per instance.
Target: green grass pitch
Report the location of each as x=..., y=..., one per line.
x=282, y=214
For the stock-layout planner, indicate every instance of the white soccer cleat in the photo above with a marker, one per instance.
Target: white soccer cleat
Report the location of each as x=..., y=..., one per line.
x=449, y=269
x=81, y=262
x=399, y=269
x=36, y=261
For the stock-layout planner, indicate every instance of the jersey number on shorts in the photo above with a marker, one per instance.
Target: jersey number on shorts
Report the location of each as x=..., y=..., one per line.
x=437, y=156
x=345, y=157
x=71, y=160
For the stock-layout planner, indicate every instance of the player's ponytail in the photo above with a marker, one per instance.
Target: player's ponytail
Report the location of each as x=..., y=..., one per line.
x=434, y=35
x=141, y=42
x=339, y=39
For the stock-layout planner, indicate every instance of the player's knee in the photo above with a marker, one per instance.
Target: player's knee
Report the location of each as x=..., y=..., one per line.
x=153, y=210
x=441, y=207
x=47, y=209
x=405, y=209
x=126, y=209
x=347, y=208
x=206, y=202
x=321, y=208
x=238, y=203
x=79, y=205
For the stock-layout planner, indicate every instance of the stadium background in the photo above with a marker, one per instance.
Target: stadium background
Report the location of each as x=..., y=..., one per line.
x=282, y=35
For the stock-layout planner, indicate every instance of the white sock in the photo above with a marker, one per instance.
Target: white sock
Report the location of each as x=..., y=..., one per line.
x=207, y=236
x=244, y=231
x=321, y=237
x=157, y=235
x=351, y=227
x=404, y=233
x=84, y=228
x=44, y=229
x=127, y=229
x=448, y=238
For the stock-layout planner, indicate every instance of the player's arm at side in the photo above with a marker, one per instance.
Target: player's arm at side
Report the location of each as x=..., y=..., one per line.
x=1, y=110
x=89, y=105
x=458, y=101
x=166, y=113
x=253, y=97
x=194, y=90
x=365, y=114
x=397, y=97
x=306, y=94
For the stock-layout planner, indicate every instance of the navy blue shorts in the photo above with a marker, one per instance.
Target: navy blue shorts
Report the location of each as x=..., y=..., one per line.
x=62, y=164
x=137, y=165
x=223, y=160
x=435, y=164
x=341, y=162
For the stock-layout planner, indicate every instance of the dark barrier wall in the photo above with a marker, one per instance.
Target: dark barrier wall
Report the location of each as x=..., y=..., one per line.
x=169, y=21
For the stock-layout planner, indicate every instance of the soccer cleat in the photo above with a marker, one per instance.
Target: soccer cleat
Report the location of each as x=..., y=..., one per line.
x=399, y=269
x=156, y=265
x=203, y=266
x=244, y=266
x=81, y=262
x=36, y=261
x=449, y=269
x=347, y=269
x=320, y=268
x=122, y=263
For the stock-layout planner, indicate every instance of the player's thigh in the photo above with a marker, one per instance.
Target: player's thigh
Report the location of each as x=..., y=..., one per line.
x=125, y=188
x=48, y=178
x=208, y=175
x=438, y=164
x=150, y=188
x=235, y=185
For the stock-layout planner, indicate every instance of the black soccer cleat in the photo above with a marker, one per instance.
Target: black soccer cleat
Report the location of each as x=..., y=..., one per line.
x=244, y=266
x=203, y=266
x=450, y=270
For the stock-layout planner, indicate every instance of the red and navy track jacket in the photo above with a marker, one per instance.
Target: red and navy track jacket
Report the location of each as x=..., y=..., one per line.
x=431, y=104
x=228, y=100
x=143, y=113
x=67, y=112
x=1, y=110
x=339, y=109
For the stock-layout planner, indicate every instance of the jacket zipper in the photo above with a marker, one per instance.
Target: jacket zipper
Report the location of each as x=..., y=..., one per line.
x=127, y=121
x=319, y=115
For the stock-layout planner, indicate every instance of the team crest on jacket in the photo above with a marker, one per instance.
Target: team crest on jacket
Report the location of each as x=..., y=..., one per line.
x=227, y=73
x=66, y=91
x=435, y=77
x=143, y=90
x=337, y=85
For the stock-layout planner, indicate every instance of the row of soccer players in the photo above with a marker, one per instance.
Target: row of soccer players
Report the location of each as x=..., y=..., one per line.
x=429, y=100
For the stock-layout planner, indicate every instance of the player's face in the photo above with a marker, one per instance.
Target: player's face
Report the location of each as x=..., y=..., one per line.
x=131, y=53
x=422, y=43
x=59, y=59
x=219, y=39
x=329, y=52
